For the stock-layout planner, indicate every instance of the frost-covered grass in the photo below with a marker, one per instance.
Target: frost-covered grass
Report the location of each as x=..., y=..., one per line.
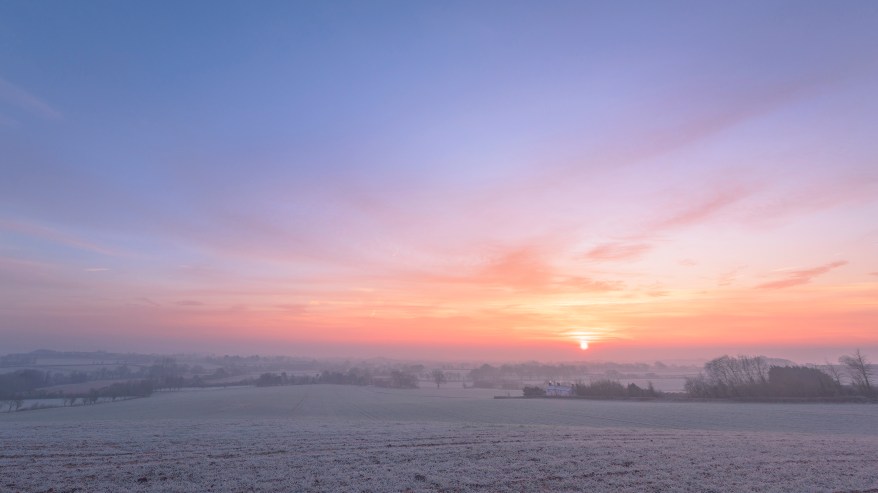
x=337, y=438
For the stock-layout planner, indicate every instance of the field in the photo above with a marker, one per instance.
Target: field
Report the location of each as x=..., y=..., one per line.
x=341, y=438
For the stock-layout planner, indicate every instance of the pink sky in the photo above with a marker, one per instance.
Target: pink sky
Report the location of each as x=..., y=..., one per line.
x=455, y=183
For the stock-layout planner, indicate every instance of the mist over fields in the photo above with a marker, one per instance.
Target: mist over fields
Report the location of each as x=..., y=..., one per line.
x=275, y=424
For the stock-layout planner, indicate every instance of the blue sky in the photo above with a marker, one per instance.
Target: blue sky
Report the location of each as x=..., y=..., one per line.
x=508, y=172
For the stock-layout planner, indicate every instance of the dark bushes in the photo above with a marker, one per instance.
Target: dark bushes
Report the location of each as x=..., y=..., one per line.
x=534, y=391
x=800, y=381
x=750, y=377
x=613, y=389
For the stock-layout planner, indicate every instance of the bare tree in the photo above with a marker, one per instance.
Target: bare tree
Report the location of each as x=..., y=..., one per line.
x=833, y=371
x=735, y=376
x=859, y=369
x=439, y=377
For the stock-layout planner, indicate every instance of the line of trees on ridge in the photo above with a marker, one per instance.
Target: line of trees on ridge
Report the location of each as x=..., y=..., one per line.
x=604, y=388
x=397, y=378
x=752, y=377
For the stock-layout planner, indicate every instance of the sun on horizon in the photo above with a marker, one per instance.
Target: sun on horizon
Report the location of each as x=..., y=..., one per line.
x=373, y=179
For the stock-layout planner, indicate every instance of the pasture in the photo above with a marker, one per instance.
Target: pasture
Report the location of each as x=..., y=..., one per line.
x=343, y=438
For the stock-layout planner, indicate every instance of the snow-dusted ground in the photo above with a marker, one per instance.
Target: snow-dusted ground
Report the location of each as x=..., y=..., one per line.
x=338, y=438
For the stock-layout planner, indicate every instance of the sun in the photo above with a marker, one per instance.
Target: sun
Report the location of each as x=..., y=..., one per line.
x=585, y=338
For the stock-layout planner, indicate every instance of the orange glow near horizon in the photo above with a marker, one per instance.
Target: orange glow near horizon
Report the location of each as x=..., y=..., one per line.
x=512, y=185
x=516, y=320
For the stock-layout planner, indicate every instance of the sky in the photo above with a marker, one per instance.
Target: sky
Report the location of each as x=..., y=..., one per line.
x=482, y=180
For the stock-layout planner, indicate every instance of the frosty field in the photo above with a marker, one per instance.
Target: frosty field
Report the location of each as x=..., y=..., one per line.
x=341, y=438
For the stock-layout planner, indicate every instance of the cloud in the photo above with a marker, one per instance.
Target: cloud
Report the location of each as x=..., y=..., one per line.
x=44, y=233
x=17, y=96
x=729, y=277
x=656, y=290
x=618, y=251
x=581, y=283
x=799, y=277
x=703, y=111
x=704, y=209
x=522, y=269
x=189, y=303
x=828, y=193
x=526, y=269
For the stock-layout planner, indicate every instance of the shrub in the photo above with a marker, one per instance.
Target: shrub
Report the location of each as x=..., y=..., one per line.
x=800, y=381
x=534, y=391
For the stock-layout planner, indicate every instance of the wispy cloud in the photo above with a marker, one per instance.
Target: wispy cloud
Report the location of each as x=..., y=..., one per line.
x=518, y=268
x=527, y=269
x=189, y=303
x=618, y=251
x=45, y=233
x=706, y=110
x=729, y=277
x=858, y=187
x=705, y=208
x=16, y=96
x=521, y=269
x=799, y=277
x=590, y=285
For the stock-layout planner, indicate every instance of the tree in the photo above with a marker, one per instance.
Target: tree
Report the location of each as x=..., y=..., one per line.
x=859, y=369
x=403, y=380
x=732, y=377
x=801, y=381
x=833, y=372
x=486, y=376
x=602, y=388
x=269, y=379
x=534, y=391
x=92, y=397
x=439, y=377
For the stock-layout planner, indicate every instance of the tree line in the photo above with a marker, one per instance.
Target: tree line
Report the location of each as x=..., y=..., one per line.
x=16, y=386
x=604, y=389
x=396, y=378
x=753, y=377
x=743, y=377
x=129, y=389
